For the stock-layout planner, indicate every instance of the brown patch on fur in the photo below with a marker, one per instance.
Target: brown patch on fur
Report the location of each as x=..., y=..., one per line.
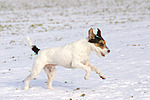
x=49, y=65
x=101, y=44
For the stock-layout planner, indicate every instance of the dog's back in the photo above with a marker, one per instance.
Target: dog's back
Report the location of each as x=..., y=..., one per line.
x=63, y=55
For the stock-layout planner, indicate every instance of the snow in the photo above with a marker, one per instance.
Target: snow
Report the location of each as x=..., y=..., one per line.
x=125, y=26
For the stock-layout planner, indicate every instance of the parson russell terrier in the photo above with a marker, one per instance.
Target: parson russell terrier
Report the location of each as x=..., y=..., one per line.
x=73, y=55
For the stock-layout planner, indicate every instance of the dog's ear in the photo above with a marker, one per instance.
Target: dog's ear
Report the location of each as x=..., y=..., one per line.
x=91, y=34
x=98, y=32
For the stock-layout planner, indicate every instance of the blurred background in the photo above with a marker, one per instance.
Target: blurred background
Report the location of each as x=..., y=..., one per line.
x=30, y=16
x=125, y=25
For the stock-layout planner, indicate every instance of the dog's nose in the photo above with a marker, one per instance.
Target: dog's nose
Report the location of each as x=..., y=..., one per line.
x=108, y=51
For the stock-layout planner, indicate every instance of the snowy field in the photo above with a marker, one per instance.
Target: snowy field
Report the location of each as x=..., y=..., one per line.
x=125, y=26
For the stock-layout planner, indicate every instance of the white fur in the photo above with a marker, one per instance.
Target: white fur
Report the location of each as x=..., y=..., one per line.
x=73, y=55
x=29, y=42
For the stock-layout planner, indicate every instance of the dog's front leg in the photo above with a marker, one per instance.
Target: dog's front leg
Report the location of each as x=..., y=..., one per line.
x=84, y=67
x=97, y=70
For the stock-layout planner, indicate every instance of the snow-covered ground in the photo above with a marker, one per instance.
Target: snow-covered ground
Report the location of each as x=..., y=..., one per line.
x=125, y=25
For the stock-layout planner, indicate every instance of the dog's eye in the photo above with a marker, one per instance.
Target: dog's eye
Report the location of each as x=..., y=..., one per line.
x=101, y=44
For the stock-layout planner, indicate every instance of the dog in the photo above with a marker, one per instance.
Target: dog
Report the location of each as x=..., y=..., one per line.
x=73, y=55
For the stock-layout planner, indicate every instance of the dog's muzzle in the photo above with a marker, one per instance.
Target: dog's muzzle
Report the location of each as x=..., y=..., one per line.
x=108, y=51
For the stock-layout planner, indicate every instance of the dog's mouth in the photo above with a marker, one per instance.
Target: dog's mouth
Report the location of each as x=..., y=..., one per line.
x=102, y=54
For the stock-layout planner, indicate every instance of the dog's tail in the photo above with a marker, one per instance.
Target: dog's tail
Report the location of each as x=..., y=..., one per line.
x=33, y=47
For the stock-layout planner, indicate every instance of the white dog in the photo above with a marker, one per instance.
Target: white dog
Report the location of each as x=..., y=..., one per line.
x=73, y=55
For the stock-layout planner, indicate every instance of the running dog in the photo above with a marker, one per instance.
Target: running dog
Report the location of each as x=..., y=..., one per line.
x=73, y=55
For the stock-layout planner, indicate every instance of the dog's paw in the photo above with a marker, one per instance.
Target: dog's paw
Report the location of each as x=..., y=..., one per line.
x=103, y=77
x=50, y=87
x=85, y=77
x=26, y=88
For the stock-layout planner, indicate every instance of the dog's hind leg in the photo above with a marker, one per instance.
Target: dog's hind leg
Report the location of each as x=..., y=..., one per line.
x=37, y=67
x=33, y=74
x=50, y=71
x=27, y=80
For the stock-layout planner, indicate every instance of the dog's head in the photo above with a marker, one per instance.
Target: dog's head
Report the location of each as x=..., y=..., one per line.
x=99, y=44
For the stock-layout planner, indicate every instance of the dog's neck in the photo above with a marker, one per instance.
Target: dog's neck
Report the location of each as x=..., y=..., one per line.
x=91, y=46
